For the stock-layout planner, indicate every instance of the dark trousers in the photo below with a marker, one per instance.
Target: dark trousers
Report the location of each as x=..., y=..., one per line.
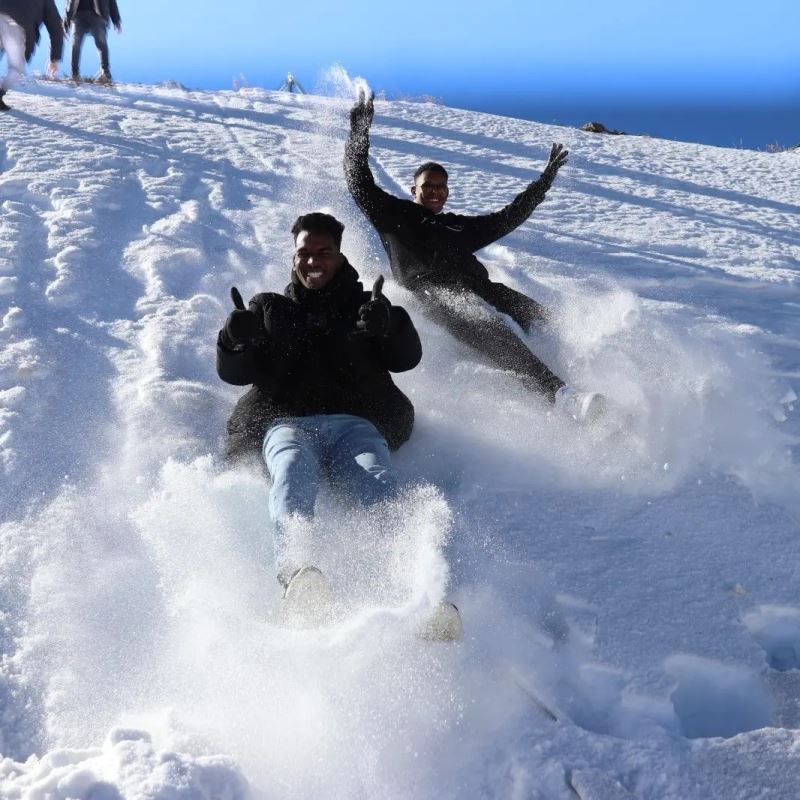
x=87, y=22
x=462, y=313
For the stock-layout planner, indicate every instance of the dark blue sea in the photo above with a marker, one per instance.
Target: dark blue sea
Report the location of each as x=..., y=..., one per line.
x=752, y=127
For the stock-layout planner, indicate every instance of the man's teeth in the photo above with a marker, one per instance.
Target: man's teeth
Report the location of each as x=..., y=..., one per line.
x=314, y=274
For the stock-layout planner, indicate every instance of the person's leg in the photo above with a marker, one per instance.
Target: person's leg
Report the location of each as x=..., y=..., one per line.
x=524, y=310
x=79, y=31
x=100, y=34
x=12, y=41
x=292, y=454
x=464, y=317
x=358, y=459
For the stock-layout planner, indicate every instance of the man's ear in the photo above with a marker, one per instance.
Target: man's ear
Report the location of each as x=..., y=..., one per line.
x=414, y=191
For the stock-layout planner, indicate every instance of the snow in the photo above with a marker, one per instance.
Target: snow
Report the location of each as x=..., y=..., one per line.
x=639, y=584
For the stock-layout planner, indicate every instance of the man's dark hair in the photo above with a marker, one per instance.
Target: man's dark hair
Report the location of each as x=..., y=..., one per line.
x=317, y=222
x=430, y=166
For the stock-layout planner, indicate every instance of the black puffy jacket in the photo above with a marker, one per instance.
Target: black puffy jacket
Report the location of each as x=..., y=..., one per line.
x=426, y=248
x=30, y=15
x=306, y=361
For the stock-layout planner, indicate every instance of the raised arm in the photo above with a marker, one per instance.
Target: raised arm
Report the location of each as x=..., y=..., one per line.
x=388, y=332
x=491, y=227
x=371, y=199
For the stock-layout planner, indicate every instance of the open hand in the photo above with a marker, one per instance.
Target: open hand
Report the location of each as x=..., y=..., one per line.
x=558, y=157
x=362, y=113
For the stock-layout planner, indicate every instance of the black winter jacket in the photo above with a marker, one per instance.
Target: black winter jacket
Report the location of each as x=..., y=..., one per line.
x=307, y=362
x=30, y=14
x=426, y=248
x=107, y=9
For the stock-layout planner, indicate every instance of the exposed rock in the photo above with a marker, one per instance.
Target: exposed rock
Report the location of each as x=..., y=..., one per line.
x=171, y=84
x=598, y=127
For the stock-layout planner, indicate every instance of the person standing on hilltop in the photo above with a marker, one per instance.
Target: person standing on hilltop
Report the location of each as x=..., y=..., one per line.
x=432, y=253
x=20, y=21
x=92, y=17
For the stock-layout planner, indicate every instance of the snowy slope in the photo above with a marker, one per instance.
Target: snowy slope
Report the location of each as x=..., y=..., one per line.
x=643, y=586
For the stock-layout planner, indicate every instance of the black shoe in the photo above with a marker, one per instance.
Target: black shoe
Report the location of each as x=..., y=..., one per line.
x=104, y=78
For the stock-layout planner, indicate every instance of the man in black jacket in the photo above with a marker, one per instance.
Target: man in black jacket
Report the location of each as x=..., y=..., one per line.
x=20, y=21
x=322, y=402
x=432, y=253
x=92, y=17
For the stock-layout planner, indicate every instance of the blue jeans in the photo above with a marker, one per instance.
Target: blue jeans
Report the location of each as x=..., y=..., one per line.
x=300, y=451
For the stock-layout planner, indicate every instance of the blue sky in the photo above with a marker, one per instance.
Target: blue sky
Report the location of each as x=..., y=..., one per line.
x=498, y=55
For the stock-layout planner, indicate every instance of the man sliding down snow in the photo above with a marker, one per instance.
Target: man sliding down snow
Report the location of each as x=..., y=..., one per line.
x=20, y=21
x=322, y=401
x=431, y=252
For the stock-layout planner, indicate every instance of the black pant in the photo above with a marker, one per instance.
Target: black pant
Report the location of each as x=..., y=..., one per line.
x=87, y=22
x=459, y=310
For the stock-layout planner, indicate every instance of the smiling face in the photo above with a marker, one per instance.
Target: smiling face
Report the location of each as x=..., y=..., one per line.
x=430, y=190
x=316, y=258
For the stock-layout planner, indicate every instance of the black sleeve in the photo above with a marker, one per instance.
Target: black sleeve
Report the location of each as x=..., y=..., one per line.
x=489, y=228
x=402, y=349
x=240, y=366
x=52, y=21
x=369, y=197
x=116, y=20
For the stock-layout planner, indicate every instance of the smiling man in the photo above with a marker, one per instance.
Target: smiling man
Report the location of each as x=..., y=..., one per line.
x=432, y=253
x=322, y=403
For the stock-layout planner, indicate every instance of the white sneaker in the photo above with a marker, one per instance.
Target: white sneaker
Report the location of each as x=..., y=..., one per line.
x=581, y=406
x=443, y=624
x=307, y=598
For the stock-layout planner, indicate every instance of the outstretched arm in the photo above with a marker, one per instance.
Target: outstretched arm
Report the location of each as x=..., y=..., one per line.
x=370, y=198
x=491, y=227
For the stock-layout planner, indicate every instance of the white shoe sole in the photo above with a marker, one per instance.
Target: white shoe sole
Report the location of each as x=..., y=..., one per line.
x=308, y=600
x=592, y=408
x=442, y=625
